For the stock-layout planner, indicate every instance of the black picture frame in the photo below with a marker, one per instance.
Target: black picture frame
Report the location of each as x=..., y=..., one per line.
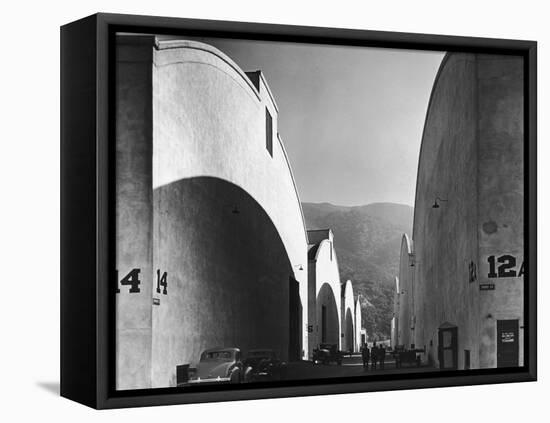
x=87, y=197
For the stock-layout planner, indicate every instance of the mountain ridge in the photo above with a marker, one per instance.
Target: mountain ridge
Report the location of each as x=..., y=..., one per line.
x=367, y=241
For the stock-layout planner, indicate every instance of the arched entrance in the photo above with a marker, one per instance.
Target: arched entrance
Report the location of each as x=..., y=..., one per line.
x=349, y=331
x=230, y=281
x=327, y=316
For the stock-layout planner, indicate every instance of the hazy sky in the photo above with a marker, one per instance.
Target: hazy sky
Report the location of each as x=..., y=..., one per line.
x=351, y=118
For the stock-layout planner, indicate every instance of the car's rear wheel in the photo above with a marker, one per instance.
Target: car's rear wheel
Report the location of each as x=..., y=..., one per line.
x=235, y=377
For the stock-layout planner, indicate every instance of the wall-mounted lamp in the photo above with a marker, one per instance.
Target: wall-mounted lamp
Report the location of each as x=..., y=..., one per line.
x=489, y=316
x=414, y=262
x=436, y=204
x=299, y=266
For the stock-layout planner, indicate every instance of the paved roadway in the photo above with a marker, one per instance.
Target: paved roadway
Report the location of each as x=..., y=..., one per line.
x=351, y=366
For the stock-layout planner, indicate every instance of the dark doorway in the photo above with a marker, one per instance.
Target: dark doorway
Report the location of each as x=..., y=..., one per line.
x=295, y=320
x=349, y=331
x=507, y=343
x=448, y=347
x=327, y=319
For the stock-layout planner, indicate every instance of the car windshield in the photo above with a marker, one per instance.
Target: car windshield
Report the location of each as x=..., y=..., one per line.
x=217, y=355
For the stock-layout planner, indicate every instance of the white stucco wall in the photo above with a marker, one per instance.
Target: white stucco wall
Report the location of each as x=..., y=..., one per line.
x=405, y=284
x=324, y=281
x=134, y=211
x=348, y=304
x=394, y=331
x=471, y=156
x=358, y=322
x=204, y=122
x=220, y=132
x=210, y=121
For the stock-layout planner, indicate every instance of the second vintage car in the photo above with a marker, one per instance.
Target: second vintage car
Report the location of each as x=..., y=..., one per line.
x=327, y=353
x=263, y=365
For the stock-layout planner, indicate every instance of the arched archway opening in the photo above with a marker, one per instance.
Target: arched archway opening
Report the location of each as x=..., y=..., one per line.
x=230, y=281
x=327, y=316
x=348, y=331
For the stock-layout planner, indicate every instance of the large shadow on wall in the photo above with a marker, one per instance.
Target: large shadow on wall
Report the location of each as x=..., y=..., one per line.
x=227, y=271
x=327, y=316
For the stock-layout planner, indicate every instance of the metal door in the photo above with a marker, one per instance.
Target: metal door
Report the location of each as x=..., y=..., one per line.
x=448, y=348
x=507, y=343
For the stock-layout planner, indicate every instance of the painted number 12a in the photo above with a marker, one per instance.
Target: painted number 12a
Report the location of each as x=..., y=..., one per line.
x=506, y=267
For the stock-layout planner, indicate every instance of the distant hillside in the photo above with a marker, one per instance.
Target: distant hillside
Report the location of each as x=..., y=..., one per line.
x=367, y=241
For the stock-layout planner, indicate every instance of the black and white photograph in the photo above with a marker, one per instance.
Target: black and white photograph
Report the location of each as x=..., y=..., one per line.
x=292, y=211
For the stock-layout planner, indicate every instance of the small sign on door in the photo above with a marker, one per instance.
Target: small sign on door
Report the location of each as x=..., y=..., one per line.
x=507, y=337
x=486, y=286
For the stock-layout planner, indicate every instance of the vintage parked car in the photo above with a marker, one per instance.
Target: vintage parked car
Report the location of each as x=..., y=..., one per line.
x=263, y=365
x=219, y=365
x=408, y=357
x=326, y=354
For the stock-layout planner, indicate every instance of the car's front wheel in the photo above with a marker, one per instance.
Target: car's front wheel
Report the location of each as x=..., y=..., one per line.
x=248, y=375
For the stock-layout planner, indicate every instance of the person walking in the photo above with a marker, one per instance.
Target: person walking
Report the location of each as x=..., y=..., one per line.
x=374, y=355
x=382, y=356
x=365, y=353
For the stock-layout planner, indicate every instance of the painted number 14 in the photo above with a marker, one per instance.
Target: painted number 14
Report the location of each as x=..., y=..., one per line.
x=162, y=281
x=132, y=281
